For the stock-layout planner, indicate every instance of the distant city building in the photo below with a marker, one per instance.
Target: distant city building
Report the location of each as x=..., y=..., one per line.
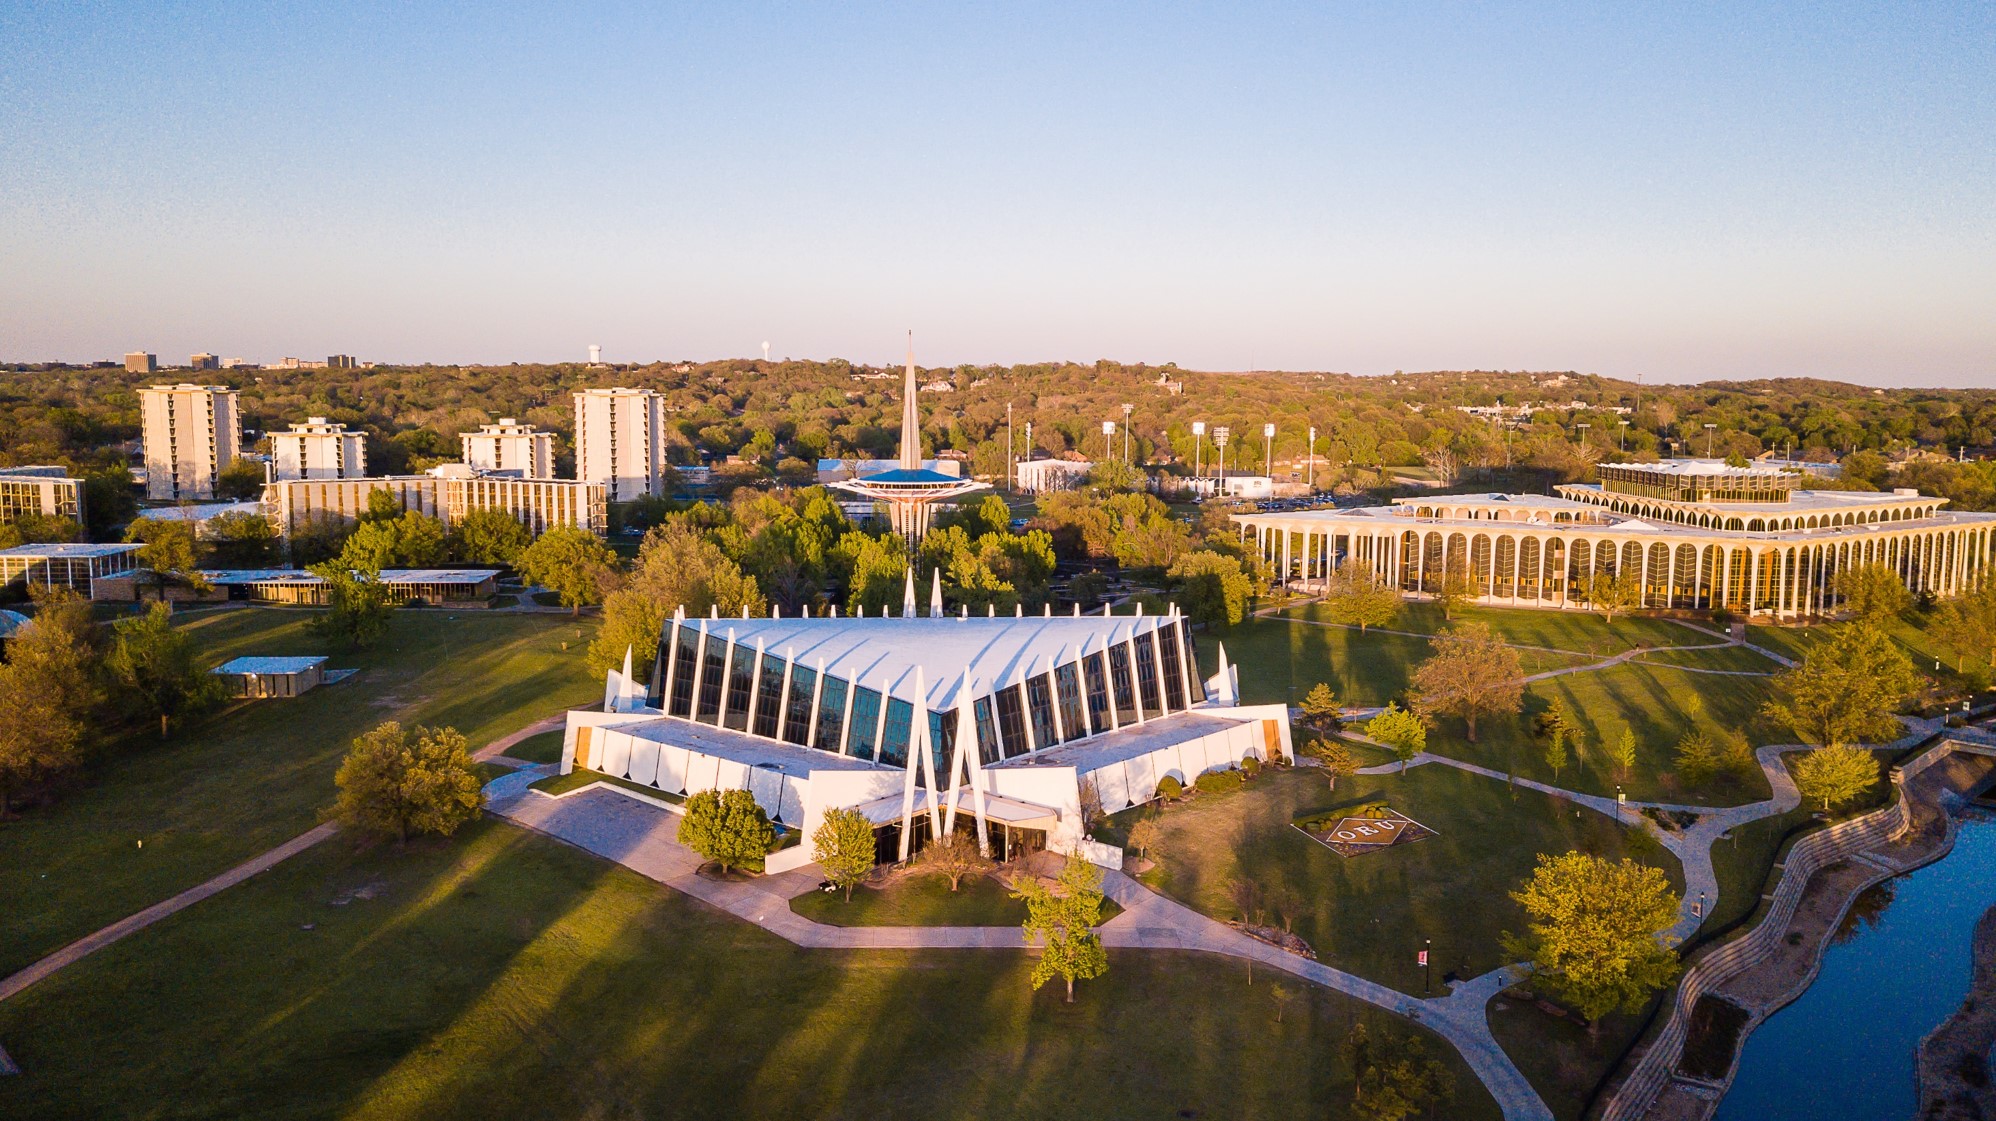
x=340, y=362
x=240, y=364
x=318, y=449
x=203, y=362
x=510, y=446
x=1038, y=476
x=1694, y=535
x=48, y=491
x=449, y=492
x=289, y=363
x=140, y=362
x=620, y=441
x=190, y=432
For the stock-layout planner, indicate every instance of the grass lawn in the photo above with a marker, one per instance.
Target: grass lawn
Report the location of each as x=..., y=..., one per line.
x=543, y=747
x=1560, y=1059
x=1718, y=657
x=1653, y=700
x=258, y=774
x=1580, y=631
x=503, y=974
x=916, y=901
x=1368, y=914
x=1281, y=660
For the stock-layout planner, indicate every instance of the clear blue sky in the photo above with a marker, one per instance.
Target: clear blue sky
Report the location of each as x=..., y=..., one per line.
x=1675, y=191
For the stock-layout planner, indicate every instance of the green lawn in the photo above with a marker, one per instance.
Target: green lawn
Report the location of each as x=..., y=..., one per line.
x=543, y=747
x=1558, y=1056
x=260, y=773
x=1737, y=658
x=1653, y=700
x=1580, y=631
x=1368, y=914
x=503, y=974
x=921, y=900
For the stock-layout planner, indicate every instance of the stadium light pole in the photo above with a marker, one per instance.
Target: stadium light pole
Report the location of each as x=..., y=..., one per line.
x=1198, y=448
x=1625, y=434
x=1127, y=410
x=1709, y=429
x=1220, y=435
x=1310, y=462
x=1268, y=444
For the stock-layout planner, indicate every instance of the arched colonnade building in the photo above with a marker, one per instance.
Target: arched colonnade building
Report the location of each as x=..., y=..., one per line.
x=1697, y=534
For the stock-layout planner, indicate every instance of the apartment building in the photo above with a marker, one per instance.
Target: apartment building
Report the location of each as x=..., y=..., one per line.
x=510, y=446
x=620, y=441
x=190, y=432
x=318, y=449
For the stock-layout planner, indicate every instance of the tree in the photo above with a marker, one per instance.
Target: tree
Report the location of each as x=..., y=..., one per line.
x=1622, y=753
x=1212, y=588
x=1836, y=774
x=1396, y=1078
x=47, y=686
x=488, y=537
x=1063, y=919
x=1966, y=624
x=1356, y=597
x=843, y=846
x=1321, y=710
x=954, y=855
x=1872, y=593
x=398, y=781
x=1698, y=756
x=1335, y=758
x=1594, y=939
x=1146, y=836
x=241, y=479
x=1846, y=688
x=1555, y=752
x=569, y=562
x=156, y=663
x=318, y=537
x=1452, y=592
x=728, y=828
x=410, y=539
x=358, y=604
x=241, y=539
x=1471, y=674
x=1610, y=593
x=676, y=567
x=1401, y=731
x=166, y=549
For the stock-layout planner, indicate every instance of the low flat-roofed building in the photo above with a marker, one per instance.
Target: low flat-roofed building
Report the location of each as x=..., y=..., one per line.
x=48, y=491
x=271, y=676
x=197, y=515
x=1000, y=727
x=73, y=565
x=1038, y=476
x=1692, y=534
x=1233, y=486
x=461, y=587
x=450, y=492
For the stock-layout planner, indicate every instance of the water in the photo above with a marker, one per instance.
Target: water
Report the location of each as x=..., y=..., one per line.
x=1845, y=1050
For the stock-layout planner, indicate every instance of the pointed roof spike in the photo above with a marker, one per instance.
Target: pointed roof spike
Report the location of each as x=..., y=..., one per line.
x=1140, y=609
x=627, y=663
x=679, y=613
x=835, y=611
x=990, y=611
x=911, y=421
x=713, y=611
x=1226, y=679
x=1018, y=611
x=1046, y=611
x=776, y=611
x=1077, y=609
x=744, y=610
x=908, y=595
x=936, y=593
x=963, y=611
x=1105, y=610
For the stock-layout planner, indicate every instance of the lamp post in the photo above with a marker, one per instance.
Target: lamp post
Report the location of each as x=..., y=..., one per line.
x=1027, y=457
x=1427, y=965
x=1268, y=443
x=1625, y=434
x=1582, y=429
x=1310, y=463
x=1198, y=448
x=1220, y=435
x=1011, y=449
x=1620, y=801
x=1709, y=429
x=1127, y=410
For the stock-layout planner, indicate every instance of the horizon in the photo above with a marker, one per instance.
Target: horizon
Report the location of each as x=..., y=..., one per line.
x=1677, y=197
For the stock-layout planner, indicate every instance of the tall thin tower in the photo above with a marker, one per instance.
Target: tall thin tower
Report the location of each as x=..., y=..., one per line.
x=909, y=490
x=911, y=421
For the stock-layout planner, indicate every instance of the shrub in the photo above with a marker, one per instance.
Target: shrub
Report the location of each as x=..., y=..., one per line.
x=1250, y=767
x=1169, y=788
x=1215, y=782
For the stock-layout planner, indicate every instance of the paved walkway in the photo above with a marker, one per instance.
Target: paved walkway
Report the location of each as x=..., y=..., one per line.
x=91, y=943
x=639, y=836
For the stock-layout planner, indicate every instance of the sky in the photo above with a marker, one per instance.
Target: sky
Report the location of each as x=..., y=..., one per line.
x=1677, y=192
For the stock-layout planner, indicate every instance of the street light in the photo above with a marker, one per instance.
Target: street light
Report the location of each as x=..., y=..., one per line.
x=1625, y=434
x=1709, y=429
x=1268, y=442
x=1310, y=464
x=1582, y=428
x=1127, y=410
x=1198, y=448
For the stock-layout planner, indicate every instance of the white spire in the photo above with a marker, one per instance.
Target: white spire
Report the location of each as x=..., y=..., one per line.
x=1046, y=610
x=1077, y=609
x=911, y=421
x=936, y=593
x=908, y=596
x=775, y=610
x=627, y=663
x=1227, y=692
x=1018, y=611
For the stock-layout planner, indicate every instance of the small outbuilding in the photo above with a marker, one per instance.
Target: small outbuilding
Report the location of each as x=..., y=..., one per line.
x=271, y=677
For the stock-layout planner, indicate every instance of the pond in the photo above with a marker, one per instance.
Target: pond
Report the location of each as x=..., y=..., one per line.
x=1845, y=1049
